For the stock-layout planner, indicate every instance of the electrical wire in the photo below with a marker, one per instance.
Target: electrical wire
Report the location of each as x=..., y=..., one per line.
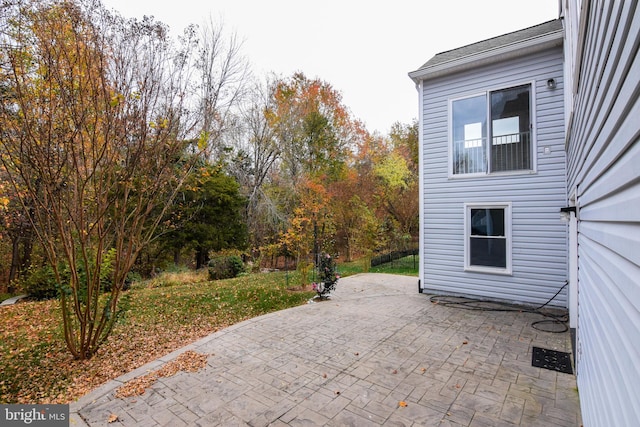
x=466, y=303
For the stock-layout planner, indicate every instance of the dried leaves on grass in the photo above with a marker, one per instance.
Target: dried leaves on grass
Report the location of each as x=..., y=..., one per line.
x=35, y=366
x=189, y=361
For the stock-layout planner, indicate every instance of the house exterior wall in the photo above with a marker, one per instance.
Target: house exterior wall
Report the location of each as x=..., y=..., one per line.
x=539, y=238
x=603, y=158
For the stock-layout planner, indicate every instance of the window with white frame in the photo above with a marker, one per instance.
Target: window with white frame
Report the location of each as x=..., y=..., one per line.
x=488, y=237
x=491, y=132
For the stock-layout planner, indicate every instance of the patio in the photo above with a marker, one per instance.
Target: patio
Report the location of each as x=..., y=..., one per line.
x=377, y=353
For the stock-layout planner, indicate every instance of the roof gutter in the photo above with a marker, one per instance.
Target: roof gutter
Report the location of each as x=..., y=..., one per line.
x=490, y=56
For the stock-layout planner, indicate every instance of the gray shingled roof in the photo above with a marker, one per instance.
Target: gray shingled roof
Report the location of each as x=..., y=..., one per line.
x=495, y=43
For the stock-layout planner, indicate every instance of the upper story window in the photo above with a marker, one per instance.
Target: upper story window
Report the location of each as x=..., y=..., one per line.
x=491, y=132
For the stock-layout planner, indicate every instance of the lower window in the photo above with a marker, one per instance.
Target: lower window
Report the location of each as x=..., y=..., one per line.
x=488, y=237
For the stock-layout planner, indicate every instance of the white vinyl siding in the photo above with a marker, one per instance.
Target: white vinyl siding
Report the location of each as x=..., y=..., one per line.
x=603, y=154
x=538, y=237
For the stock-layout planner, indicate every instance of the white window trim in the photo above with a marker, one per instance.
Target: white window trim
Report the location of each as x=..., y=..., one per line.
x=467, y=234
x=534, y=133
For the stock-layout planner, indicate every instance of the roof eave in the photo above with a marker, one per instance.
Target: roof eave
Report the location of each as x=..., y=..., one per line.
x=490, y=56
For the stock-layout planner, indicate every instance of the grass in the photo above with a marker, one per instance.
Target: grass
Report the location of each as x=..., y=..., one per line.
x=164, y=314
x=407, y=266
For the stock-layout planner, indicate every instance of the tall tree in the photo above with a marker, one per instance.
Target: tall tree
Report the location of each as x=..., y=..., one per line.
x=211, y=208
x=315, y=134
x=397, y=174
x=313, y=127
x=311, y=228
x=399, y=193
x=95, y=128
x=404, y=139
x=357, y=199
x=257, y=153
x=221, y=74
x=357, y=227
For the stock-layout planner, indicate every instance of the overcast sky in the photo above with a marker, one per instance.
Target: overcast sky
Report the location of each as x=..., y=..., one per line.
x=363, y=49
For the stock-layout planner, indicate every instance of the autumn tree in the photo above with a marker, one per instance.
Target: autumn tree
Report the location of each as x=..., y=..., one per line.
x=397, y=174
x=354, y=199
x=398, y=192
x=254, y=161
x=311, y=228
x=376, y=205
x=315, y=134
x=355, y=217
x=99, y=130
x=404, y=139
x=313, y=128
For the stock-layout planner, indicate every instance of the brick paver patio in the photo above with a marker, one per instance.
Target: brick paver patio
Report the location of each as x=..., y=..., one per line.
x=377, y=353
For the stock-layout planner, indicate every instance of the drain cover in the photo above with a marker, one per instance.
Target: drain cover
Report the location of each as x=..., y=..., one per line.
x=551, y=359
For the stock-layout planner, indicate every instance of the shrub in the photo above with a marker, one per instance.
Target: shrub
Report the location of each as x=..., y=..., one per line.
x=39, y=283
x=225, y=267
x=132, y=277
x=327, y=276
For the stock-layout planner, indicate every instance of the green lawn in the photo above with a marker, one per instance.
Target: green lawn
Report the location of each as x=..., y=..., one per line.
x=407, y=266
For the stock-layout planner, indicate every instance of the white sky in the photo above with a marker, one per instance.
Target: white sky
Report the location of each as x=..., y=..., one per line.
x=363, y=49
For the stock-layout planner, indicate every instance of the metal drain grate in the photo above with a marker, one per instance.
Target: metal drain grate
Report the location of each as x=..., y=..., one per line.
x=551, y=359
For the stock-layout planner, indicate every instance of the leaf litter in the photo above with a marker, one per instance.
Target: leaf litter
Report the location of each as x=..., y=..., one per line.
x=189, y=361
x=36, y=367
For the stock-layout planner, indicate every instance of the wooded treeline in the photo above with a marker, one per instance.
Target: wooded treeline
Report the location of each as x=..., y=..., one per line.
x=125, y=150
x=286, y=170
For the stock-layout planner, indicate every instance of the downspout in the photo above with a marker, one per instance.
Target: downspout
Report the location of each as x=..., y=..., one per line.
x=420, y=89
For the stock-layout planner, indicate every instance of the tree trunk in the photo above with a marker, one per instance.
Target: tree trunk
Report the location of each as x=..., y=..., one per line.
x=15, y=259
x=201, y=258
x=27, y=250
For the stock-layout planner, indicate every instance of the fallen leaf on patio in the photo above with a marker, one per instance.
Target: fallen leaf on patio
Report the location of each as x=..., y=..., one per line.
x=324, y=375
x=189, y=361
x=402, y=404
x=112, y=418
x=457, y=385
x=357, y=354
x=337, y=392
x=395, y=371
x=424, y=370
x=465, y=342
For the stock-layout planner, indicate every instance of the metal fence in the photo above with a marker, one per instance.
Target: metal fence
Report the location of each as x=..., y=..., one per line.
x=391, y=256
